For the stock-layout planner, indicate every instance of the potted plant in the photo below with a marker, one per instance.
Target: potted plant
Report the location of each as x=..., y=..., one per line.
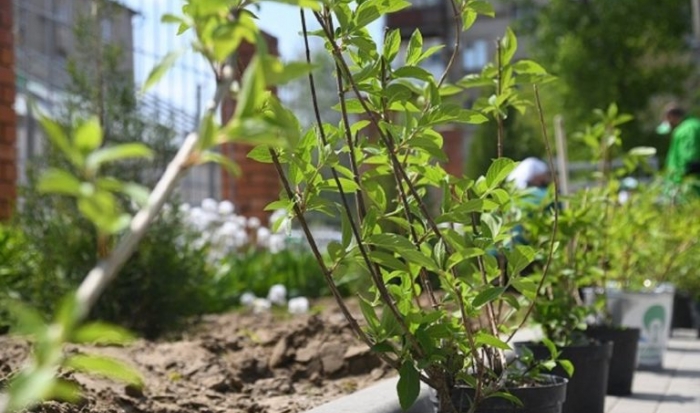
x=591, y=231
x=431, y=245
x=648, y=270
x=560, y=310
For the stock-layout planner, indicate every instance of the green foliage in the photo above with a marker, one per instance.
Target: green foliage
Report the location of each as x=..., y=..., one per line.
x=392, y=237
x=258, y=270
x=626, y=51
x=669, y=251
x=593, y=229
x=164, y=283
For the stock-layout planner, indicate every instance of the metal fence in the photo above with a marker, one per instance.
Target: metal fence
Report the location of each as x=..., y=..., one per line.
x=45, y=42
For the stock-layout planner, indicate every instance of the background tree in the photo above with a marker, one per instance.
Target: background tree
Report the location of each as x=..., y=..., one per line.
x=624, y=51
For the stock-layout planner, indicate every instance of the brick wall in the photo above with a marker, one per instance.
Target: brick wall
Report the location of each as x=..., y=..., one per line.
x=454, y=147
x=258, y=184
x=8, y=118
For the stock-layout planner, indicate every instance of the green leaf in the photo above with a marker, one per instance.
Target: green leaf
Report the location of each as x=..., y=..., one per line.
x=207, y=132
x=408, y=386
x=498, y=171
x=509, y=45
x=486, y=339
x=416, y=257
x=551, y=347
x=88, y=136
x=105, y=366
x=279, y=204
x=392, y=6
x=253, y=90
x=487, y=296
x=366, y=13
x=117, y=153
x=568, y=367
x=98, y=332
x=261, y=153
x=161, y=69
x=351, y=106
x=392, y=242
x=468, y=18
x=475, y=80
x=369, y=314
x=136, y=192
x=57, y=181
x=101, y=208
x=529, y=67
x=278, y=73
x=507, y=396
x=482, y=7
x=525, y=286
x=65, y=391
x=58, y=138
x=415, y=48
x=387, y=260
x=29, y=387
x=413, y=72
x=392, y=44
x=519, y=258
x=222, y=160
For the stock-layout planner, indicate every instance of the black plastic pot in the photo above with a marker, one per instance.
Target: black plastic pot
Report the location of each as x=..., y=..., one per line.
x=624, y=355
x=683, y=310
x=585, y=392
x=545, y=398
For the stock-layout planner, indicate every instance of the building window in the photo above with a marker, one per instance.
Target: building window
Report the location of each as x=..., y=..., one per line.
x=106, y=27
x=476, y=55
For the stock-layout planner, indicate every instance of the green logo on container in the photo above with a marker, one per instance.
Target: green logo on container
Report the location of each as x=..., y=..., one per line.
x=654, y=321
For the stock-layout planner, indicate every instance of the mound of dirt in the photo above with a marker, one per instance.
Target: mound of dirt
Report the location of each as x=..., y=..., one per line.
x=237, y=362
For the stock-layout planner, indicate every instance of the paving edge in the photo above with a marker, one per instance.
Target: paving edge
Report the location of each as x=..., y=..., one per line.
x=378, y=398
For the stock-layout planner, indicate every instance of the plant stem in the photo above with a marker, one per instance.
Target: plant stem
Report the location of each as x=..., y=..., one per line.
x=355, y=327
x=499, y=90
x=555, y=224
x=396, y=168
x=106, y=270
x=458, y=35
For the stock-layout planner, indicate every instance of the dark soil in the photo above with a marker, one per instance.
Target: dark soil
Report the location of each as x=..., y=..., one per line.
x=237, y=362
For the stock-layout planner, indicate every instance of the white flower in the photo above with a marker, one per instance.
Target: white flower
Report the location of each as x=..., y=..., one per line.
x=210, y=205
x=261, y=305
x=254, y=222
x=277, y=294
x=229, y=229
x=247, y=298
x=298, y=305
x=226, y=207
x=184, y=208
x=263, y=236
x=276, y=243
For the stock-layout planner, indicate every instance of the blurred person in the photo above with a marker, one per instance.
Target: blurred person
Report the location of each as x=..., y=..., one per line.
x=683, y=159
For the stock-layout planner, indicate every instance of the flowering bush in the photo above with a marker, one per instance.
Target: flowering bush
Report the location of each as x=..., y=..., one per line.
x=224, y=232
x=248, y=257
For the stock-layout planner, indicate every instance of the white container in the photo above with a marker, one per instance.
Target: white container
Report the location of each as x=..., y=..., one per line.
x=650, y=312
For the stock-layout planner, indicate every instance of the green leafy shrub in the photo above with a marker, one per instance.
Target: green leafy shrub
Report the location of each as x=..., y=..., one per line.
x=257, y=270
x=17, y=265
x=165, y=282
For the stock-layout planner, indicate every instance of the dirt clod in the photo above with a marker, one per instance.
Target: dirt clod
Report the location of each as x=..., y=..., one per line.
x=237, y=362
